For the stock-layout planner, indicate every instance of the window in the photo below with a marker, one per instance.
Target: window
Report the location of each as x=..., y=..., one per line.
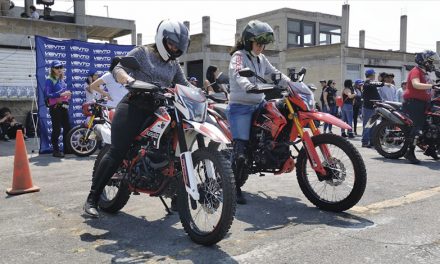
x=329, y=34
x=300, y=33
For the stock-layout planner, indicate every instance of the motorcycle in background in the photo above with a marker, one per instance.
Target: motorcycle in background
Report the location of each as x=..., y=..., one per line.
x=162, y=162
x=83, y=139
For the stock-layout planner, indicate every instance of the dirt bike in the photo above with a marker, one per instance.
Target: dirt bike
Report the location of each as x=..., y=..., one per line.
x=160, y=164
x=390, y=137
x=330, y=171
x=83, y=139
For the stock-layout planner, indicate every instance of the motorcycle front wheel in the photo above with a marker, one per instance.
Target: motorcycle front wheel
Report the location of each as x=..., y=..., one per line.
x=389, y=140
x=80, y=143
x=346, y=178
x=207, y=220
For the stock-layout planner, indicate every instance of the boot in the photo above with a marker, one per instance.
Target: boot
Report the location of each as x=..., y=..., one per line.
x=410, y=156
x=239, y=158
x=430, y=151
x=91, y=205
x=240, y=197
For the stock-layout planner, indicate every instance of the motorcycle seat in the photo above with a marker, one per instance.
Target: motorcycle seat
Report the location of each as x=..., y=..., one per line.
x=396, y=105
x=221, y=109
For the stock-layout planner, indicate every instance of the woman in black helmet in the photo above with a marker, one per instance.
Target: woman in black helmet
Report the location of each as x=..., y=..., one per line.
x=247, y=53
x=159, y=64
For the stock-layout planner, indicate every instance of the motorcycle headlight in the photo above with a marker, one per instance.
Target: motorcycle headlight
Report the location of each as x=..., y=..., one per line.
x=197, y=110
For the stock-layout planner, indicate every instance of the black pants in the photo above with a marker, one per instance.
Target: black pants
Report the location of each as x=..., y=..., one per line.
x=60, y=118
x=127, y=123
x=355, y=117
x=416, y=111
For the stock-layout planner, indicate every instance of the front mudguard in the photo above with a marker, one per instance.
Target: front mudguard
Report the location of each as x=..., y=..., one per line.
x=206, y=130
x=324, y=117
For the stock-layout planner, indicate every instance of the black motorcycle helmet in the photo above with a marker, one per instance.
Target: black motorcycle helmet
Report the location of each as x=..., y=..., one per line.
x=425, y=60
x=257, y=31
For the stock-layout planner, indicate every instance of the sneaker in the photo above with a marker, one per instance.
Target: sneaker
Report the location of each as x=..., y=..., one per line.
x=6, y=138
x=366, y=145
x=240, y=197
x=58, y=154
x=344, y=135
x=409, y=155
x=174, y=204
x=350, y=135
x=430, y=151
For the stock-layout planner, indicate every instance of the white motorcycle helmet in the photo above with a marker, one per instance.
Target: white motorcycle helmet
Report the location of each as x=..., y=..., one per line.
x=175, y=34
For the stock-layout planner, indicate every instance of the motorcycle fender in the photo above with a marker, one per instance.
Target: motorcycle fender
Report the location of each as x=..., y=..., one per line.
x=104, y=132
x=324, y=117
x=188, y=175
x=210, y=131
x=388, y=115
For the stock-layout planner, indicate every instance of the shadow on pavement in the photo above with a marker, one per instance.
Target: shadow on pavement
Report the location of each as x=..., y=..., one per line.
x=271, y=213
x=425, y=161
x=136, y=240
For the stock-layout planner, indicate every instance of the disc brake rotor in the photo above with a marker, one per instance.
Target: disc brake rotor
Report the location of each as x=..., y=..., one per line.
x=336, y=171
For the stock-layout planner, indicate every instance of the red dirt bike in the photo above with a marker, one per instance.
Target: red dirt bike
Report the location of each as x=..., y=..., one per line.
x=330, y=171
x=163, y=162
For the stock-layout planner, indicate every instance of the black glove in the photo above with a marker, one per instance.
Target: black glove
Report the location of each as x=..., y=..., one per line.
x=436, y=86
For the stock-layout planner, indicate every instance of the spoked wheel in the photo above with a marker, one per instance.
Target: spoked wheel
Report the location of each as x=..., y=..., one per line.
x=389, y=140
x=116, y=193
x=346, y=178
x=208, y=220
x=80, y=143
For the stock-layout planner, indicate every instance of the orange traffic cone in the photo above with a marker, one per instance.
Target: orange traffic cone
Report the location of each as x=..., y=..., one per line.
x=22, y=180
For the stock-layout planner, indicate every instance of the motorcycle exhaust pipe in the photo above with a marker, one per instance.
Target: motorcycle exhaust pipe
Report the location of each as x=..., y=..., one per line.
x=388, y=115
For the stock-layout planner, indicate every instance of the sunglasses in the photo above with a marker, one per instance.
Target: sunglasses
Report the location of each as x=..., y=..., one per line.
x=263, y=39
x=58, y=67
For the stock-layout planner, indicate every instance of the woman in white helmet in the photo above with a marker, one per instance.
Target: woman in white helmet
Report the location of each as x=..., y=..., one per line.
x=159, y=65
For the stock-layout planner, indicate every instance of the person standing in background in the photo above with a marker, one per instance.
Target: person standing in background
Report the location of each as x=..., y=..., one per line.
x=329, y=98
x=58, y=96
x=34, y=13
x=369, y=94
x=348, y=96
x=91, y=95
x=400, y=91
x=323, y=84
x=210, y=84
x=116, y=91
x=388, y=92
x=357, y=105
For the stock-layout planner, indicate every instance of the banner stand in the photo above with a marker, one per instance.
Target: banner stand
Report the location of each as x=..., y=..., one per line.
x=34, y=100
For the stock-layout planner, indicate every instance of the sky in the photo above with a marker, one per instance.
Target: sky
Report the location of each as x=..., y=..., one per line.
x=379, y=18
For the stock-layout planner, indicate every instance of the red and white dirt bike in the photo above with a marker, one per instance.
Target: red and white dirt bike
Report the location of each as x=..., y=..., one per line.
x=164, y=162
x=330, y=171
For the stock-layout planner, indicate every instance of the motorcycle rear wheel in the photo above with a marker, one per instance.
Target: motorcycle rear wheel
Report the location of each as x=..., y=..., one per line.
x=79, y=145
x=208, y=220
x=387, y=147
x=116, y=193
x=346, y=168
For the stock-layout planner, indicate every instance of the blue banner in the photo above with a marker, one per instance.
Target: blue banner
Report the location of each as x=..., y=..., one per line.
x=78, y=58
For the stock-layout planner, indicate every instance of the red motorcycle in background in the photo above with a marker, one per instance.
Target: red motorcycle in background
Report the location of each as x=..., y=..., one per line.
x=330, y=171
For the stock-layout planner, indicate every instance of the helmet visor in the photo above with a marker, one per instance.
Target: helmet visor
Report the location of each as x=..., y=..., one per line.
x=264, y=38
x=433, y=58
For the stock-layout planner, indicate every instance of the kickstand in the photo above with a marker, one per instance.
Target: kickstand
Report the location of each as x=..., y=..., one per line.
x=166, y=206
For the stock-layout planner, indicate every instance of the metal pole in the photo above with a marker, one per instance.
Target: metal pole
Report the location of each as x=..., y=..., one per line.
x=106, y=6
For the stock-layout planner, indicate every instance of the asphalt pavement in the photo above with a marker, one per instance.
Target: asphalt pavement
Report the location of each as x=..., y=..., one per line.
x=396, y=220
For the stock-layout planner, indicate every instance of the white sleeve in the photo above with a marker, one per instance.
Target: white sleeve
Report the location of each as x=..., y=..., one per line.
x=237, y=64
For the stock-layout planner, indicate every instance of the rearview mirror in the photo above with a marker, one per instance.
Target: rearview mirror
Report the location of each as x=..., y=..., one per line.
x=130, y=62
x=302, y=71
x=246, y=72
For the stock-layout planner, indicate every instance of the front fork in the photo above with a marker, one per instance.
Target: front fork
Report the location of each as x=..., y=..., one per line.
x=312, y=154
x=189, y=178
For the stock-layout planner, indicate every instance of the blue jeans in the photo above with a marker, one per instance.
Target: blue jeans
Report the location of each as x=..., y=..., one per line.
x=333, y=111
x=240, y=119
x=347, y=116
x=366, y=114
